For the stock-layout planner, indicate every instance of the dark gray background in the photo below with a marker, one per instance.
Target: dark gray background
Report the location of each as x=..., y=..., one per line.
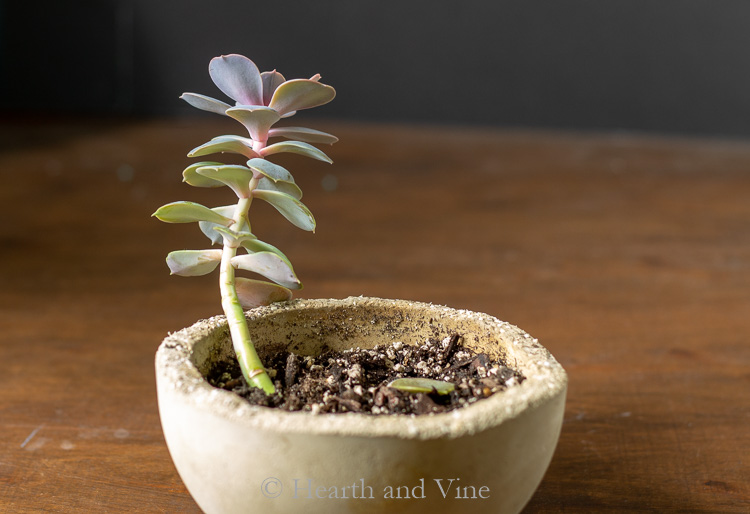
x=670, y=66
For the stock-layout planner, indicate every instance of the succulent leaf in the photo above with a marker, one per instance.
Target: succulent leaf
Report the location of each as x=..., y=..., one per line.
x=238, y=78
x=256, y=119
x=256, y=246
x=271, y=80
x=297, y=147
x=422, y=385
x=205, y=103
x=307, y=135
x=270, y=266
x=297, y=94
x=193, y=263
x=192, y=177
x=236, y=177
x=273, y=171
x=259, y=293
x=208, y=228
x=289, y=207
x=233, y=144
x=288, y=188
x=187, y=212
x=233, y=236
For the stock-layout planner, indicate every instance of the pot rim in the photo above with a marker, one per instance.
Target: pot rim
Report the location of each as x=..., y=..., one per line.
x=178, y=376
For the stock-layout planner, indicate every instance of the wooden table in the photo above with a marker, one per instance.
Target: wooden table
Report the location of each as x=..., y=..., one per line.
x=628, y=257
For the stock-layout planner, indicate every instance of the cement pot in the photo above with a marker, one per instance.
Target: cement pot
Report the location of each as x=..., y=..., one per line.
x=234, y=457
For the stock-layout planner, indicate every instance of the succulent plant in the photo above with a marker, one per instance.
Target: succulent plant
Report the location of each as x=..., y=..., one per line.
x=262, y=99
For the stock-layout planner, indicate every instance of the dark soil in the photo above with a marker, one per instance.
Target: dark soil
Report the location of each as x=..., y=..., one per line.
x=357, y=380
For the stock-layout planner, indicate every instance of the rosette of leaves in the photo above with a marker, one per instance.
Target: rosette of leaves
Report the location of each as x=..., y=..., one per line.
x=261, y=100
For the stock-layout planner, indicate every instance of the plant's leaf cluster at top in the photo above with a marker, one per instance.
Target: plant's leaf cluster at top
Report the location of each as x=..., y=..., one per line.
x=261, y=100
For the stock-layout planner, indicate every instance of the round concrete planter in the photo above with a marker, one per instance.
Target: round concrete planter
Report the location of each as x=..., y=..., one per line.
x=234, y=457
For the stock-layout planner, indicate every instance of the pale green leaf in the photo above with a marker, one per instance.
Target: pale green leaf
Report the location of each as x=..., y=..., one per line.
x=297, y=147
x=297, y=94
x=205, y=103
x=236, y=177
x=258, y=293
x=257, y=246
x=422, y=385
x=270, y=266
x=307, y=135
x=291, y=208
x=235, y=237
x=193, y=263
x=187, y=212
x=208, y=228
x=273, y=171
x=233, y=144
x=191, y=176
x=288, y=188
x=256, y=119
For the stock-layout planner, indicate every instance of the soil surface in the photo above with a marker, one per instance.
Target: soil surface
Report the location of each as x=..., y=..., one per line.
x=357, y=380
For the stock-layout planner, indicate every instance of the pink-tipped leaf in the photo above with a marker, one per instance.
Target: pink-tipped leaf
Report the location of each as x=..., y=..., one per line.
x=259, y=293
x=307, y=135
x=271, y=80
x=297, y=147
x=238, y=78
x=270, y=266
x=297, y=94
x=193, y=263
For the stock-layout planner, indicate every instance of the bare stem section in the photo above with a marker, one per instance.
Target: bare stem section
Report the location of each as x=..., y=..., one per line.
x=252, y=367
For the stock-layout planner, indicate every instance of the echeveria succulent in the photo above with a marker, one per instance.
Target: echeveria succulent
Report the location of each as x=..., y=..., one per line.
x=262, y=99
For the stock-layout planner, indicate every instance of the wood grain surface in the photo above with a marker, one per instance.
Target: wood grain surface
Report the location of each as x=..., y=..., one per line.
x=627, y=256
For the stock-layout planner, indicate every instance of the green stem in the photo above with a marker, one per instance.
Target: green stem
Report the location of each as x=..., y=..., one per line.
x=252, y=367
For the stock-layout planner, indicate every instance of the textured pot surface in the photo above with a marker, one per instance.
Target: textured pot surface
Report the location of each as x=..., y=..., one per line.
x=235, y=457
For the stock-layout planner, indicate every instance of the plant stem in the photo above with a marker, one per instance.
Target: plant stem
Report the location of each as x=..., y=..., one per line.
x=250, y=364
